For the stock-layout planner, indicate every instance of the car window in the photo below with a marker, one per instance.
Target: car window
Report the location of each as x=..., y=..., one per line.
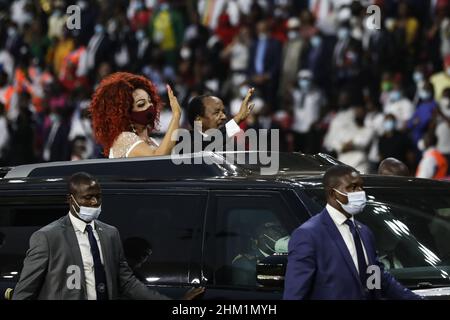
x=17, y=223
x=245, y=230
x=158, y=232
x=411, y=229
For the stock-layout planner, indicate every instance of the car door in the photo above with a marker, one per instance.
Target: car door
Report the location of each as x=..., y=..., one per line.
x=243, y=227
x=20, y=216
x=161, y=234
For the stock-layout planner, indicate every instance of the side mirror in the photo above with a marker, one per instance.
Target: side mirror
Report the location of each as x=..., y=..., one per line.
x=270, y=271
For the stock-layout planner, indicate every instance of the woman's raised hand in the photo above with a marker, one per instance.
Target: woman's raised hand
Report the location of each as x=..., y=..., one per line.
x=176, y=109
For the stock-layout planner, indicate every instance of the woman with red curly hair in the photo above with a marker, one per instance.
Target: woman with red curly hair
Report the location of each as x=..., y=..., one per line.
x=125, y=110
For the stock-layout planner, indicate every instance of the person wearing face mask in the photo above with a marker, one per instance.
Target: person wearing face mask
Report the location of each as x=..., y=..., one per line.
x=394, y=143
x=329, y=255
x=346, y=60
x=441, y=80
x=99, y=48
x=433, y=164
x=425, y=111
x=398, y=105
x=265, y=63
x=125, y=111
x=442, y=130
x=79, y=241
x=352, y=139
x=308, y=101
x=291, y=56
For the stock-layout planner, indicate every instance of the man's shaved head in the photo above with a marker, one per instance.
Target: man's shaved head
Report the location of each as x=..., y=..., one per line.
x=393, y=167
x=80, y=178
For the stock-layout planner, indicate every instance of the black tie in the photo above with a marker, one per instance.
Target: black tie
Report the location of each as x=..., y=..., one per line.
x=362, y=265
x=99, y=270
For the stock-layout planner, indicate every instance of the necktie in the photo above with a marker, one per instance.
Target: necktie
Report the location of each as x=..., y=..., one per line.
x=99, y=270
x=362, y=265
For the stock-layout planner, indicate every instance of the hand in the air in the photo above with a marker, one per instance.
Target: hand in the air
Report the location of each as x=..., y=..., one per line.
x=176, y=109
x=246, y=108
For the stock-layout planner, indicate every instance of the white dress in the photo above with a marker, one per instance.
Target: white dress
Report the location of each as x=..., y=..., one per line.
x=126, y=142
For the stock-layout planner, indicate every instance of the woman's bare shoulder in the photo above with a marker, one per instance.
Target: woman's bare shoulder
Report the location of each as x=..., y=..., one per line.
x=124, y=143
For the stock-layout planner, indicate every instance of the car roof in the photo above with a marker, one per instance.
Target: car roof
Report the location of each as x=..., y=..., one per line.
x=195, y=165
x=213, y=169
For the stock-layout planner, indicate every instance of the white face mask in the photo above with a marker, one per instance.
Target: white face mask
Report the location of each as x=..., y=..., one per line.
x=87, y=213
x=292, y=34
x=421, y=145
x=356, y=201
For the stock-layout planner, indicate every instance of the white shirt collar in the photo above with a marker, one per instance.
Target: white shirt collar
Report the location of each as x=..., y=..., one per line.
x=338, y=217
x=80, y=225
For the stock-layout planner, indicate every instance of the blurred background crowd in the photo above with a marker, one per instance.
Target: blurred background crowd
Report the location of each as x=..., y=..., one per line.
x=326, y=80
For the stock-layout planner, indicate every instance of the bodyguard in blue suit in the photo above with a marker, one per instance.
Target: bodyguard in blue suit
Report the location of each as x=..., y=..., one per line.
x=332, y=256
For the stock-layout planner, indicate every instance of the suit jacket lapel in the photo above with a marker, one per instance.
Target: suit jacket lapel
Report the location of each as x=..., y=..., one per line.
x=71, y=238
x=106, y=258
x=340, y=243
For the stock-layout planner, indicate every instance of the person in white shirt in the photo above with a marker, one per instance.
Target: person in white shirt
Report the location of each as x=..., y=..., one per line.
x=400, y=106
x=4, y=136
x=442, y=130
x=308, y=102
x=433, y=164
x=351, y=140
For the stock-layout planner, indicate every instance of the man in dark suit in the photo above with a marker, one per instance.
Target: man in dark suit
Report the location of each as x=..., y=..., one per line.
x=207, y=112
x=331, y=256
x=265, y=63
x=78, y=257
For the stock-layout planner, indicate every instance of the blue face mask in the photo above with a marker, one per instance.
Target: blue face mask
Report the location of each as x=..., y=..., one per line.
x=395, y=95
x=316, y=41
x=304, y=84
x=389, y=125
x=343, y=33
x=417, y=77
x=87, y=214
x=424, y=94
x=356, y=201
x=99, y=28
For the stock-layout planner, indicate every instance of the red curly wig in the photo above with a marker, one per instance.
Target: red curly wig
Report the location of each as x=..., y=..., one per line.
x=112, y=102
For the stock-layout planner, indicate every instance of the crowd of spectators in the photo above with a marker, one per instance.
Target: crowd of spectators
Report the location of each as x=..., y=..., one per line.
x=326, y=78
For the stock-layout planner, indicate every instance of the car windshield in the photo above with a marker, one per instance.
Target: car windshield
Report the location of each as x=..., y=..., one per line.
x=288, y=163
x=411, y=229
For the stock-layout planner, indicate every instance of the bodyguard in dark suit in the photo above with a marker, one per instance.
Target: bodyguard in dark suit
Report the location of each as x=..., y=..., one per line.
x=330, y=254
x=78, y=257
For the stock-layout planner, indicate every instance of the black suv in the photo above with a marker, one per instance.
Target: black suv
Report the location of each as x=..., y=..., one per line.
x=225, y=226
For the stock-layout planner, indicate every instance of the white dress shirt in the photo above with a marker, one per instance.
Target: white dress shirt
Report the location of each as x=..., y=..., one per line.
x=231, y=128
x=339, y=220
x=308, y=112
x=88, y=262
x=344, y=129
